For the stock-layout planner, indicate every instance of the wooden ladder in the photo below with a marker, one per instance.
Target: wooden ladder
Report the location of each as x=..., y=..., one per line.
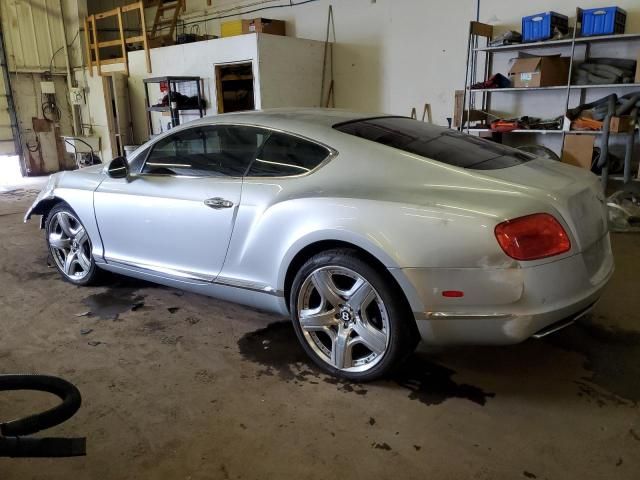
x=173, y=9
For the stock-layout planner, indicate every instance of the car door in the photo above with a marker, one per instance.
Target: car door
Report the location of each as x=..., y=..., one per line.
x=176, y=214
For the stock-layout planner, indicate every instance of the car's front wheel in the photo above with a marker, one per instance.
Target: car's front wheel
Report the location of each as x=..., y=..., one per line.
x=70, y=246
x=349, y=317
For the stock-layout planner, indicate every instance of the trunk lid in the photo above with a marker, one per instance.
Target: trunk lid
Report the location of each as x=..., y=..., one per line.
x=574, y=192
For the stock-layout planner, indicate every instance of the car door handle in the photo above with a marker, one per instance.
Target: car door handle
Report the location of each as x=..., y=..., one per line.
x=218, y=203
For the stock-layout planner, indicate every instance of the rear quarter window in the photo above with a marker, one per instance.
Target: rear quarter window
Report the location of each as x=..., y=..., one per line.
x=284, y=155
x=437, y=143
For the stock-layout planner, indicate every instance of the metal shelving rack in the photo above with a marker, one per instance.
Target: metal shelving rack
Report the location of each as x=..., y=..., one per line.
x=175, y=112
x=479, y=32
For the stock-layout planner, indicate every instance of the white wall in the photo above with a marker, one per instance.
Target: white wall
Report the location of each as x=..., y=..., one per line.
x=393, y=55
x=195, y=59
x=286, y=73
x=390, y=55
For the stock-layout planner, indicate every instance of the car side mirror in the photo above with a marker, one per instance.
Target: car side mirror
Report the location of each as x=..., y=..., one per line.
x=118, y=168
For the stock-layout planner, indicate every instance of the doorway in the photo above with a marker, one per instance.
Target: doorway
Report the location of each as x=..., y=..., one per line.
x=235, y=87
x=10, y=172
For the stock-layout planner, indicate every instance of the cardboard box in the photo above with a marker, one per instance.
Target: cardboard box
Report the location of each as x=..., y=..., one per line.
x=231, y=28
x=539, y=72
x=622, y=124
x=263, y=25
x=578, y=150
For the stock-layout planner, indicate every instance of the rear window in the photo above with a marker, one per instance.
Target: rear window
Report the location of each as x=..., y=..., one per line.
x=437, y=143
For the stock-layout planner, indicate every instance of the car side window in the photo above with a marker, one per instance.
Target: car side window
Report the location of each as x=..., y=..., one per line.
x=218, y=151
x=285, y=155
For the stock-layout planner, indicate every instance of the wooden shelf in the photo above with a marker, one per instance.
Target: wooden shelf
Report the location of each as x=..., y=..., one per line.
x=235, y=78
x=519, y=130
x=559, y=43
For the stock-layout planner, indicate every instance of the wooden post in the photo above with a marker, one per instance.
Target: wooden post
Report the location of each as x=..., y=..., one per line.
x=123, y=44
x=145, y=37
x=96, y=49
x=87, y=43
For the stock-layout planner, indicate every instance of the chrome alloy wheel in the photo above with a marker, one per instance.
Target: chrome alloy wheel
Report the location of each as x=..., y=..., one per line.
x=343, y=319
x=70, y=245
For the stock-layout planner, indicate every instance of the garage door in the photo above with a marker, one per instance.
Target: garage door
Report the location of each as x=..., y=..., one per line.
x=8, y=123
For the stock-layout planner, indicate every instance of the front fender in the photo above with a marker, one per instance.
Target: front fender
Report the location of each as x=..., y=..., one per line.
x=76, y=189
x=45, y=198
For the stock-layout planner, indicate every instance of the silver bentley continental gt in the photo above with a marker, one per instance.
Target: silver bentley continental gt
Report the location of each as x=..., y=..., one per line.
x=371, y=232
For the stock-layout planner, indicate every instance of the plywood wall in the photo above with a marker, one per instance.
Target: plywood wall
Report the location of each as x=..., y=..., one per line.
x=33, y=31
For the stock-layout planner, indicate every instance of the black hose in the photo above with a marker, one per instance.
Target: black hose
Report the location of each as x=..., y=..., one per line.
x=12, y=444
x=629, y=144
x=574, y=113
x=603, y=161
x=69, y=394
x=21, y=447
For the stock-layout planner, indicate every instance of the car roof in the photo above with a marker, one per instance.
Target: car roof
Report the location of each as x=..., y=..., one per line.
x=293, y=119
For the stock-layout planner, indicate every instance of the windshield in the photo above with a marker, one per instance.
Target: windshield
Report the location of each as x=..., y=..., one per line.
x=437, y=143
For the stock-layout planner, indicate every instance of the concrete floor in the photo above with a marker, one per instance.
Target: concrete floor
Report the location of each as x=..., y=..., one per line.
x=176, y=385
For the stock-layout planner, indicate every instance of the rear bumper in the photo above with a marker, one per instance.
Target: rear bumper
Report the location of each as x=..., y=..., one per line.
x=508, y=305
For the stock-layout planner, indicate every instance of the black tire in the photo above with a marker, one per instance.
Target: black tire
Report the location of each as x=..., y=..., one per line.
x=92, y=273
x=401, y=332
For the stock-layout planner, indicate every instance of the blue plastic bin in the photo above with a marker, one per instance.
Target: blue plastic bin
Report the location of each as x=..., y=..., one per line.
x=541, y=26
x=603, y=21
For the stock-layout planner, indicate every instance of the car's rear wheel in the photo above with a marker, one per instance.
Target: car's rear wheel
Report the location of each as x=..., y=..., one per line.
x=349, y=317
x=70, y=246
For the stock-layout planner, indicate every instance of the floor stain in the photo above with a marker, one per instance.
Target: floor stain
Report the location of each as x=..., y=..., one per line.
x=276, y=348
x=432, y=383
x=613, y=356
x=381, y=446
x=600, y=397
x=153, y=326
x=34, y=270
x=345, y=386
x=108, y=305
x=29, y=275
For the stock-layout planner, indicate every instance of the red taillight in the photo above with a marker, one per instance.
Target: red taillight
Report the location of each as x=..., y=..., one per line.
x=532, y=237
